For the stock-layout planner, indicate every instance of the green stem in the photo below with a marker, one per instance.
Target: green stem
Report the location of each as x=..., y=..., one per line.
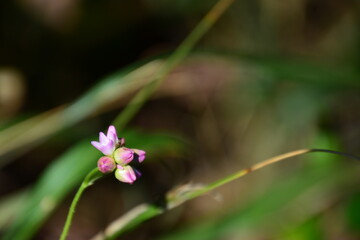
x=90, y=178
x=260, y=165
x=184, y=193
x=179, y=54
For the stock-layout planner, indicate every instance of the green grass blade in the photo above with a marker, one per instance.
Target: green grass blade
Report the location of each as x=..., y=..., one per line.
x=179, y=55
x=185, y=193
x=23, y=136
x=258, y=211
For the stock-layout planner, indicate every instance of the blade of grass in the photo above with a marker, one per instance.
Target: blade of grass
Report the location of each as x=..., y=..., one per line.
x=289, y=189
x=278, y=202
x=185, y=193
x=35, y=130
x=180, y=53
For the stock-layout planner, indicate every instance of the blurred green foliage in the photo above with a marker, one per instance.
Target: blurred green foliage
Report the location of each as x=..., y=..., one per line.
x=353, y=212
x=270, y=77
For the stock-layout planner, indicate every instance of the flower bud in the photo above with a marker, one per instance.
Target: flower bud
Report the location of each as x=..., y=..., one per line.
x=122, y=142
x=125, y=174
x=140, y=154
x=106, y=164
x=123, y=155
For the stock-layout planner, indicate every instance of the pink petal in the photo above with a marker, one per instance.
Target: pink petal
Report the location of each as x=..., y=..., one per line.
x=106, y=164
x=96, y=145
x=122, y=142
x=111, y=134
x=131, y=174
x=125, y=174
x=123, y=155
x=109, y=148
x=141, y=155
x=103, y=139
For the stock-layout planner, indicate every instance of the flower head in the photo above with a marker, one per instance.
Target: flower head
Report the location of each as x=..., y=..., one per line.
x=117, y=156
x=106, y=164
x=107, y=144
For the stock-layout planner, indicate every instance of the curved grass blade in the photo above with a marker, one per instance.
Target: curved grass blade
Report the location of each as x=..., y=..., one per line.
x=258, y=215
x=175, y=58
x=185, y=193
x=35, y=130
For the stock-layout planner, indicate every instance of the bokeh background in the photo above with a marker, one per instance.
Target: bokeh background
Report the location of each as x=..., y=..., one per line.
x=271, y=76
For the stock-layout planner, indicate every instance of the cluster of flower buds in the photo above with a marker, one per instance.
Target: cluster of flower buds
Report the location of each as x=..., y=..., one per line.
x=117, y=156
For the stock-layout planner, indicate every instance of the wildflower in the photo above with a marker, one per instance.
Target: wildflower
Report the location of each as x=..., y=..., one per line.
x=106, y=164
x=107, y=144
x=118, y=156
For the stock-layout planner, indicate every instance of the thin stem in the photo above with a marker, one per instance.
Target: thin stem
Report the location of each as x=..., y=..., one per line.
x=179, y=54
x=185, y=193
x=88, y=181
x=260, y=165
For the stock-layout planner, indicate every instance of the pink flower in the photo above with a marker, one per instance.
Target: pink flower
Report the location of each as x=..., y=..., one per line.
x=117, y=156
x=125, y=174
x=106, y=164
x=123, y=155
x=107, y=144
x=140, y=154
